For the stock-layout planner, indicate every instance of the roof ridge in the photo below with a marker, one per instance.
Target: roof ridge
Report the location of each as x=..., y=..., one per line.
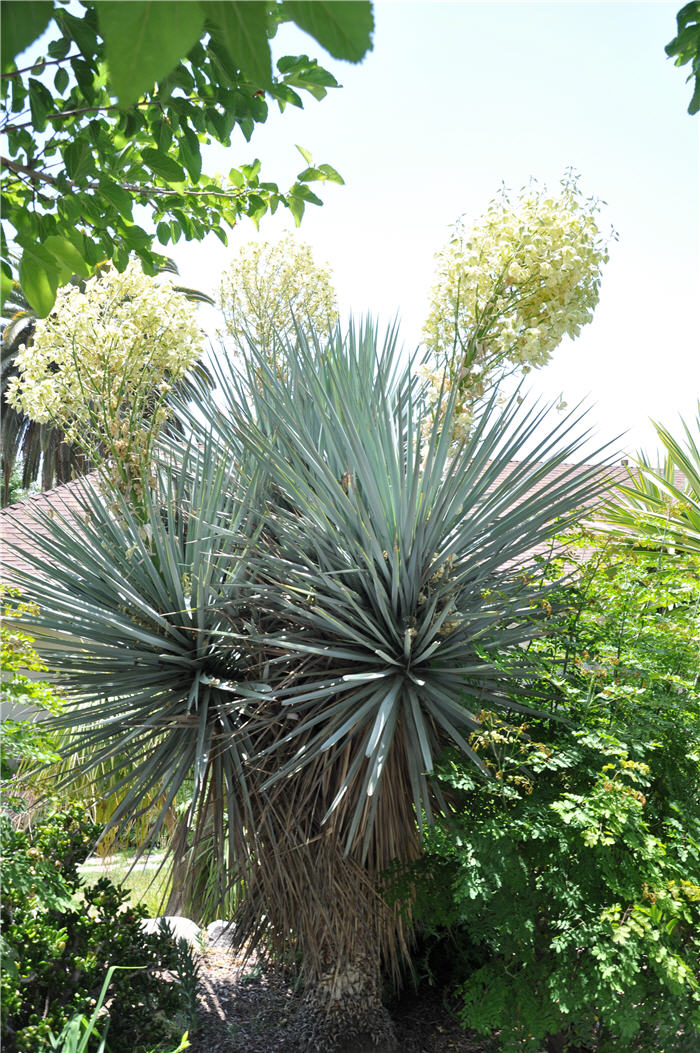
x=42, y=495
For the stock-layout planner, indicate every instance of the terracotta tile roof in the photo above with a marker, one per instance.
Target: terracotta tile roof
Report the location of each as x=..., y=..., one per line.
x=22, y=521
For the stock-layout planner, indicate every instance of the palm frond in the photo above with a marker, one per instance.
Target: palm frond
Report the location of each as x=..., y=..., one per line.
x=655, y=505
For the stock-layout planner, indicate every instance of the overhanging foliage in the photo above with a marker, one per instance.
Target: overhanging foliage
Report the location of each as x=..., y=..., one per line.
x=119, y=108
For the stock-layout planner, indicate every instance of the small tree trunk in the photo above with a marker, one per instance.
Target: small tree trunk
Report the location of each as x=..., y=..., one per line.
x=342, y=1012
x=559, y=1043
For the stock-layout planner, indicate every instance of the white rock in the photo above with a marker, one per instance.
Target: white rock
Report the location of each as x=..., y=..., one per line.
x=182, y=928
x=221, y=933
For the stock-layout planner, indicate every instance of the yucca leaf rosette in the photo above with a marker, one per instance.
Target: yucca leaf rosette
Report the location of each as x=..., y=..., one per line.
x=392, y=568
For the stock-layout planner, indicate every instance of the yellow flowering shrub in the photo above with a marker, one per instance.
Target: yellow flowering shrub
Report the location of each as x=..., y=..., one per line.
x=102, y=363
x=269, y=286
x=510, y=288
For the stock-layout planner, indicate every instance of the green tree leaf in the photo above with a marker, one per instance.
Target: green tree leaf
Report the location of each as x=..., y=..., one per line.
x=81, y=30
x=40, y=103
x=58, y=49
x=117, y=196
x=163, y=165
x=190, y=154
x=137, y=238
x=343, y=27
x=38, y=276
x=242, y=29
x=322, y=173
x=5, y=286
x=305, y=192
x=685, y=47
x=78, y=159
x=22, y=22
x=284, y=94
x=309, y=174
x=144, y=41
x=61, y=80
x=296, y=207
x=67, y=255
x=331, y=174
x=305, y=154
x=694, y=104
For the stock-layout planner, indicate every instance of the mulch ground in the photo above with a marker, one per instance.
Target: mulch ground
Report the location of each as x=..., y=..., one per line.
x=245, y=1008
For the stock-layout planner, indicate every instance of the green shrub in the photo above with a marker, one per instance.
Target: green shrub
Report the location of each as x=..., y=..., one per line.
x=23, y=740
x=78, y=1031
x=568, y=886
x=60, y=938
x=27, y=747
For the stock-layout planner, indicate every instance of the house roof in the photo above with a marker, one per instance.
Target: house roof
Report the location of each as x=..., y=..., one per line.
x=20, y=523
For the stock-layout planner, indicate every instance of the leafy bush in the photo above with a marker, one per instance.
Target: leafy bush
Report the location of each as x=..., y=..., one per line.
x=27, y=746
x=569, y=883
x=59, y=939
x=23, y=739
x=77, y=1033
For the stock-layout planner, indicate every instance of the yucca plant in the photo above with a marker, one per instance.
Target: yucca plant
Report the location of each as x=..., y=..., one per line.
x=37, y=452
x=142, y=644
x=656, y=504
x=321, y=596
x=41, y=453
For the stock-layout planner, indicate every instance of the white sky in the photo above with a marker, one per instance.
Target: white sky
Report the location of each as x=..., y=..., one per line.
x=458, y=97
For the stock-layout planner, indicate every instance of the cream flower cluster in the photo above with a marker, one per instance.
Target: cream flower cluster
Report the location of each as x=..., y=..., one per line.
x=270, y=286
x=508, y=290
x=122, y=341
x=439, y=382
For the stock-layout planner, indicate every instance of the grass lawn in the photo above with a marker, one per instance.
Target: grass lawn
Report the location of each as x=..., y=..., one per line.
x=145, y=883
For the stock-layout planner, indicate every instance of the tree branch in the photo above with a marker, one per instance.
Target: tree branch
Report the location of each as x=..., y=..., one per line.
x=34, y=174
x=36, y=65
x=70, y=113
x=37, y=176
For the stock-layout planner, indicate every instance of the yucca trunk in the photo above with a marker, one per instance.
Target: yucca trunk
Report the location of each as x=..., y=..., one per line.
x=342, y=1010
x=188, y=881
x=312, y=903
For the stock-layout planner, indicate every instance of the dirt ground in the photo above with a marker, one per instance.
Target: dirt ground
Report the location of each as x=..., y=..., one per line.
x=245, y=1008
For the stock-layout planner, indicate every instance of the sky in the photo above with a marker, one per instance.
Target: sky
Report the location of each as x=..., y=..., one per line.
x=458, y=98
